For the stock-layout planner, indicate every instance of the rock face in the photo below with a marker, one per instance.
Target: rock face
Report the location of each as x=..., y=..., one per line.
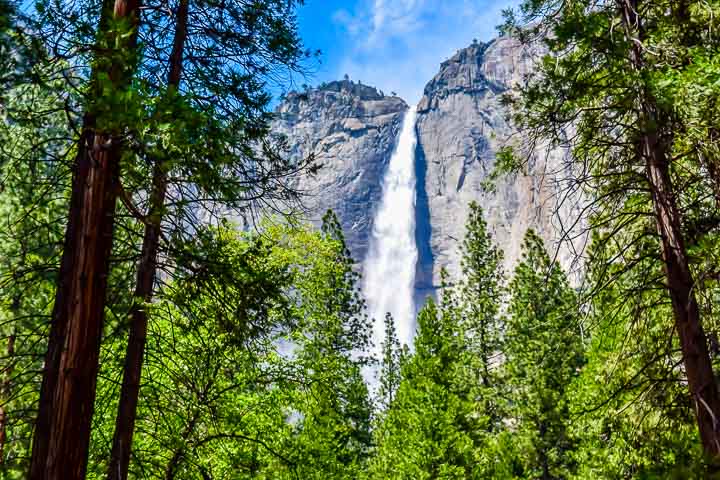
x=461, y=124
x=351, y=129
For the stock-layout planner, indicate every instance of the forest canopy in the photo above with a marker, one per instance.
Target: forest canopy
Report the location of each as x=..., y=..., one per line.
x=164, y=315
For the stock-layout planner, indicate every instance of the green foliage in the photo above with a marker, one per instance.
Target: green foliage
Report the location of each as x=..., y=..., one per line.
x=249, y=369
x=391, y=364
x=481, y=294
x=544, y=354
x=257, y=341
x=428, y=430
x=242, y=291
x=443, y=418
x=634, y=418
x=7, y=22
x=605, y=85
x=29, y=253
x=207, y=135
x=32, y=205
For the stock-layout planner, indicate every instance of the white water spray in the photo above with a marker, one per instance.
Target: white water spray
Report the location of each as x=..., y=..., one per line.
x=390, y=264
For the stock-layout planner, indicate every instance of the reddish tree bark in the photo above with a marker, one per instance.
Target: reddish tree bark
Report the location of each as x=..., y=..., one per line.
x=147, y=271
x=5, y=394
x=62, y=430
x=693, y=343
x=679, y=277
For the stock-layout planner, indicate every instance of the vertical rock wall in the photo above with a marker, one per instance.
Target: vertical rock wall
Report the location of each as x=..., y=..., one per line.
x=461, y=124
x=352, y=130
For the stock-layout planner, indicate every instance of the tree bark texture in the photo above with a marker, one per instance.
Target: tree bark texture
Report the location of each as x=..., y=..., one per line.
x=146, y=274
x=679, y=277
x=62, y=430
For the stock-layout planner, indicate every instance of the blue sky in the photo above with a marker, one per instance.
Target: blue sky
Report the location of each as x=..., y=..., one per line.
x=395, y=45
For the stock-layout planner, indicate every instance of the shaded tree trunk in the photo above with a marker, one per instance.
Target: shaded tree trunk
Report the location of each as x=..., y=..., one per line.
x=147, y=271
x=693, y=343
x=5, y=394
x=62, y=430
x=680, y=282
x=174, y=463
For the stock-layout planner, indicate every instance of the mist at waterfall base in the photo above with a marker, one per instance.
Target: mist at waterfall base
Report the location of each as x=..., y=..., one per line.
x=389, y=268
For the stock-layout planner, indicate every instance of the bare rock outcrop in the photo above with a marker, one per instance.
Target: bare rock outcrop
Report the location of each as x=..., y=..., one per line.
x=462, y=124
x=351, y=129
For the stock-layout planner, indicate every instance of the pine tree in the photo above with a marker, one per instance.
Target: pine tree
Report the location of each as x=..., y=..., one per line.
x=67, y=395
x=391, y=363
x=481, y=296
x=226, y=153
x=632, y=150
x=630, y=409
x=452, y=376
x=333, y=437
x=430, y=429
x=250, y=370
x=132, y=135
x=544, y=354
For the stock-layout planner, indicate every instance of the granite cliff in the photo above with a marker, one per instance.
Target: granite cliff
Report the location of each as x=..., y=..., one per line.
x=461, y=124
x=352, y=130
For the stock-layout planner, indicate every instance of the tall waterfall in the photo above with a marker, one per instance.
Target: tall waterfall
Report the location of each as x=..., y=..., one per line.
x=390, y=264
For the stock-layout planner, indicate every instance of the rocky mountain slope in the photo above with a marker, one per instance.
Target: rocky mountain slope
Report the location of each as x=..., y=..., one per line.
x=461, y=124
x=351, y=129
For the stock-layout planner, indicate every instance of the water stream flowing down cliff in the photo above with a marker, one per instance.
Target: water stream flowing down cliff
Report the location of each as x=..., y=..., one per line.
x=390, y=264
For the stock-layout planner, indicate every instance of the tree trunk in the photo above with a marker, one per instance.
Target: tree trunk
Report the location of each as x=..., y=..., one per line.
x=62, y=430
x=179, y=453
x=680, y=282
x=5, y=395
x=693, y=343
x=147, y=270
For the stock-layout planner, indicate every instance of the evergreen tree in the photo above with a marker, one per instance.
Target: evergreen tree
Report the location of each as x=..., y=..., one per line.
x=430, y=429
x=34, y=199
x=62, y=430
x=250, y=371
x=643, y=153
x=332, y=438
x=390, y=365
x=632, y=415
x=480, y=299
x=544, y=354
x=452, y=376
x=221, y=155
x=131, y=138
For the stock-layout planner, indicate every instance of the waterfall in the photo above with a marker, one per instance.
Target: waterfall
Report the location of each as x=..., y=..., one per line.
x=389, y=271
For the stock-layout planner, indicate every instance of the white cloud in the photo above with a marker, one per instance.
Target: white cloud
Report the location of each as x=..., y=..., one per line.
x=398, y=45
x=376, y=21
x=351, y=23
x=395, y=18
